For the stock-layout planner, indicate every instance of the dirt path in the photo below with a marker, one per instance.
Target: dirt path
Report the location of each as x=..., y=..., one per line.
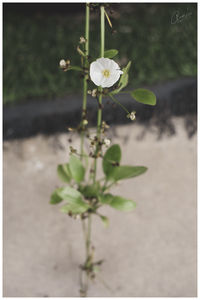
x=150, y=252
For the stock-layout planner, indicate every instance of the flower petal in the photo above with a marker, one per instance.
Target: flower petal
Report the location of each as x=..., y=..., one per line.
x=108, y=82
x=114, y=65
x=96, y=73
x=104, y=62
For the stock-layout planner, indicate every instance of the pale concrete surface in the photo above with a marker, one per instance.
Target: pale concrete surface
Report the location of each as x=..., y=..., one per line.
x=150, y=252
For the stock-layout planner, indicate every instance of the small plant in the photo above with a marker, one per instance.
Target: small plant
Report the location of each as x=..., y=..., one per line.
x=84, y=194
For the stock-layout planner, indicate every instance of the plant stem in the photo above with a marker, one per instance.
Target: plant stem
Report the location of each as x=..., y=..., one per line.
x=116, y=101
x=84, y=234
x=102, y=31
x=88, y=235
x=99, y=113
x=84, y=286
x=85, y=85
x=86, y=231
x=125, y=92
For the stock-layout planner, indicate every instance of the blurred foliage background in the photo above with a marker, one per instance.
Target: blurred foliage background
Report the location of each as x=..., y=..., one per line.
x=36, y=36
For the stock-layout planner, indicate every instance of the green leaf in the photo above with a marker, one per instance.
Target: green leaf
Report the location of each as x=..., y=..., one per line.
x=55, y=198
x=73, y=208
x=105, y=198
x=122, y=203
x=90, y=191
x=70, y=194
x=76, y=168
x=73, y=197
x=144, y=96
x=110, y=53
x=123, y=79
x=125, y=70
x=111, y=158
x=105, y=220
x=123, y=172
x=64, y=172
x=117, y=202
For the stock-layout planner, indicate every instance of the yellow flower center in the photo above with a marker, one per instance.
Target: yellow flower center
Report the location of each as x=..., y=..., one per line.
x=106, y=73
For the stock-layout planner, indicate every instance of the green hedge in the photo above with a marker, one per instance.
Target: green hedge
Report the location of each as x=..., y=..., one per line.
x=159, y=50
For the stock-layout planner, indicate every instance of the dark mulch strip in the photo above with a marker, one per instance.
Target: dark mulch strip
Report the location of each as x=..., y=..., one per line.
x=174, y=98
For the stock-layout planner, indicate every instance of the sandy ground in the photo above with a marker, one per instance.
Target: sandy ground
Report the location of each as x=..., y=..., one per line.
x=150, y=252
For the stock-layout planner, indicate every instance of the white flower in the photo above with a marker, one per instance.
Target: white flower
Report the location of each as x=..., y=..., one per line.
x=132, y=116
x=63, y=63
x=105, y=72
x=107, y=142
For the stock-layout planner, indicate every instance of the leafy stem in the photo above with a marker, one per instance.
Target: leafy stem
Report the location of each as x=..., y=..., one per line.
x=89, y=235
x=86, y=231
x=84, y=197
x=85, y=85
x=99, y=121
x=99, y=113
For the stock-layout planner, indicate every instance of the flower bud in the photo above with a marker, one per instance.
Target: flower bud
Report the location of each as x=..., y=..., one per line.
x=131, y=116
x=63, y=63
x=82, y=40
x=94, y=93
x=70, y=129
x=107, y=142
x=105, y=125
x=85, y=122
